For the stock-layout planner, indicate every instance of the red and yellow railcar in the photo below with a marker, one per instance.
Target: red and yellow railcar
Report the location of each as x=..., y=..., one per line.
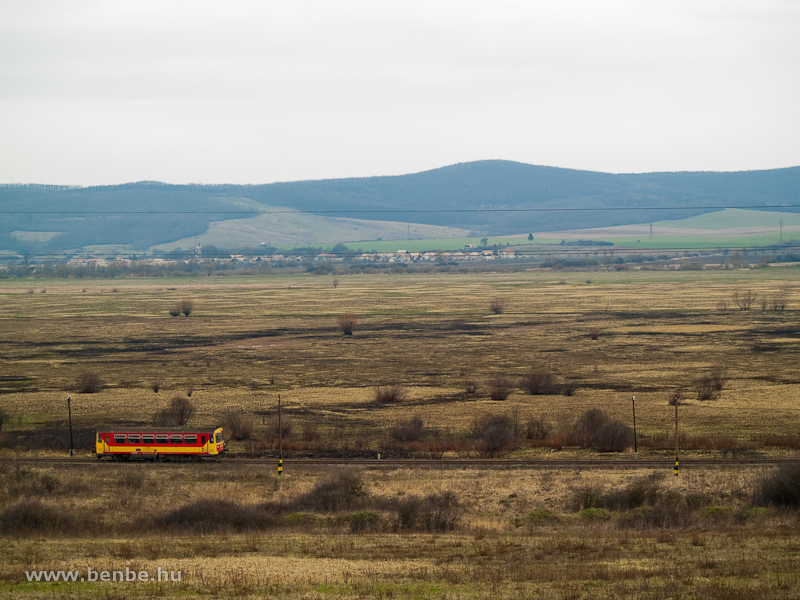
x=153, y=443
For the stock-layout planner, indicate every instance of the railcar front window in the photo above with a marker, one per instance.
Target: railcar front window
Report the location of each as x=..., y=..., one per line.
x=219, y=438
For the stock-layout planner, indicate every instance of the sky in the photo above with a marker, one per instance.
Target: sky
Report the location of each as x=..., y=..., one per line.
x=96, y=92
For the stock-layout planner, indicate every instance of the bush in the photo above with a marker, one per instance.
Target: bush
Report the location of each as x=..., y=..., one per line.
x=343, y=490
x=540, y=381
x=176, y=414
x=500, y=388
x=613, y=436
x=494, y=433
x=88, y=382
x=412, y=430
x=365, y=520
x=207, y=515
x=435, y=512
x=570, y=387
x=31, y=515
x=184, y=307
x=347, y=323
x=238, y=425
x=497, y=305
x=706, y=388
x=389, y=394
x=780, y=488
x=644, y=491
x=588, y=424
x=538, y=429
x=3, y=418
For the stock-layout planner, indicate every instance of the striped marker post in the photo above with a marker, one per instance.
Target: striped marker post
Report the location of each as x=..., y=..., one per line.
x=280, y=439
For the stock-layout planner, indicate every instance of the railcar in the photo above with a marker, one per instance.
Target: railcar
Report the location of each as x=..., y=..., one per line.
x=157, y=443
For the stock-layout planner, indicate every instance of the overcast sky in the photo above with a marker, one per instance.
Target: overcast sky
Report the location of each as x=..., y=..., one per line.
x=256, y=91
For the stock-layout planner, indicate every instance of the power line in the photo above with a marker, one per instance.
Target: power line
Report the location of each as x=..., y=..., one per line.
x=393, y=210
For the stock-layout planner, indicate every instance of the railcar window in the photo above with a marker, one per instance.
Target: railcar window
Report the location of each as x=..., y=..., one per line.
x=119, y=438
x=133, y=439
x=175, y=439
x=148, y=438
x=162, y=439
x=202, y=439
x=99, y=438
x=190, y=439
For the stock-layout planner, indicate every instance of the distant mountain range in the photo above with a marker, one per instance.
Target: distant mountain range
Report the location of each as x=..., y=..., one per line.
x=486, y=197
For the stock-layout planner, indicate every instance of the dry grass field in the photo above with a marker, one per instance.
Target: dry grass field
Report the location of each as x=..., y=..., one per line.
x=444, y=533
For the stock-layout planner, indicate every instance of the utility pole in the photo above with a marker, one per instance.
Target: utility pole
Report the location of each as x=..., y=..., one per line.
x=69, y=412
x=280, y=439
x=635, y=448
x=677, y=464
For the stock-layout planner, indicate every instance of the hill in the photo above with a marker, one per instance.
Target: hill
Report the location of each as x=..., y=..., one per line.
x=489, y=197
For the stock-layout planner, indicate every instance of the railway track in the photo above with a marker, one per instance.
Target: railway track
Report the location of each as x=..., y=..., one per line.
x=471, y=463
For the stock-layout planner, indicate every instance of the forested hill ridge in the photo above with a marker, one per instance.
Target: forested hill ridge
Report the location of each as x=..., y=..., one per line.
x=482, y=196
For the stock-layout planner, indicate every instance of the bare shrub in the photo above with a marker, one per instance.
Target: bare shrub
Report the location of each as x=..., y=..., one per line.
x=570, y=387
x=347, y=323
x=594, y=333
x=156, y=383
x=283, y=429
x=719, y=377
x=722, y=305
x=344, y=489
x=438, y=512
x=585, y=497
x=88, y=382
x=780, y=488
x=186, y=307
x=537, y=429
x=412, y=430
x=613, y=436
x=389, y=394
x=588, y=424
x=497, y=305
x=176, y=414
x=643, y=491
x=779, y=301
x=238, y=425
x=744, y=299
x=500, y=388
x=33, y=516
x=209, y=515
x=495, y=434
x=706, y=388
x=540, y=380
x=471, y=387
x=4, y=416
x=311, y=432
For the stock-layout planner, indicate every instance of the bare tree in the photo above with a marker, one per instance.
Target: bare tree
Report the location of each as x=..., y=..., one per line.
x=744, y=299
